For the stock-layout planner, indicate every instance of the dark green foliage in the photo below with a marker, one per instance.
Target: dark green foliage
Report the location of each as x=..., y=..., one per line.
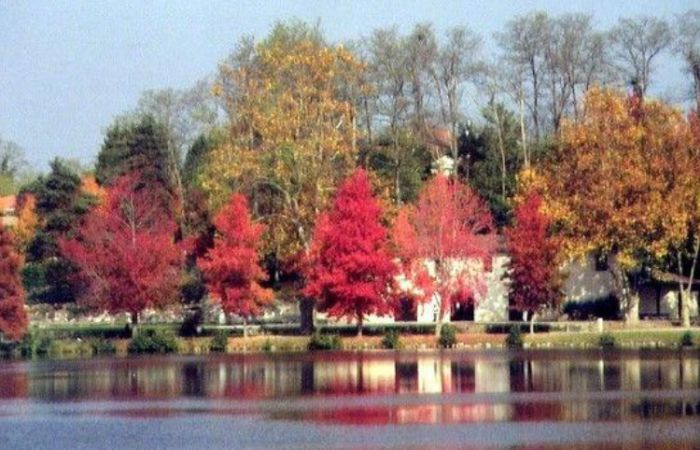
x=607, y=341
x=448, y=336
x=391, y=340
x=153, y=341
x=403, y=165
x=135, y=145
x=267, y=346
x=60, y=205
x=514, y=338
x=484, y=151
x=607, y=308
x=195, y=159
x=102, y=347
x=219, y=342
x=500, y=328
x=687, y=339
x=320, y=341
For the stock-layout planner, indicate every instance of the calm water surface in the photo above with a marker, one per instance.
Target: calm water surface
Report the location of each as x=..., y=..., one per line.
x=498, y=399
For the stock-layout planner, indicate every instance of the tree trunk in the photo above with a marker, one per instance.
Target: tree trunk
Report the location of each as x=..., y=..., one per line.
x=686, y=297
x=532, y=323
x=134, y=323
x=306, y=313
x=628, y=295
x=360, y=321
x=245, y=328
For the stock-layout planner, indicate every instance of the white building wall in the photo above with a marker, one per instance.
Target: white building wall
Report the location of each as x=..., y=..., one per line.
x=582, y=282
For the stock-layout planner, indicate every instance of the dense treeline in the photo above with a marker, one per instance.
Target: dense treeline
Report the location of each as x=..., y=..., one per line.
x=448, y=140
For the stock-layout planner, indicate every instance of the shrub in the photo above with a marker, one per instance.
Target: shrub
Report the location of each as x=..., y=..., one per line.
x=687, y=339
x=448, y=336
x=607, y=308
x=266, y=346
x=391, y=340
x=606, y=341
x=514, y=338
x=219, y=343
x=102, y=347
x=320, y=341
x=153, y=341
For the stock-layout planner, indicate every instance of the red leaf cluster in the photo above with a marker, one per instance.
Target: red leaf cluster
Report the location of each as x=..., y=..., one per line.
x=230, y=268
x=350, y=266
x=534, y=272
x=439, y=239
x=13, y=317
x=125, y=251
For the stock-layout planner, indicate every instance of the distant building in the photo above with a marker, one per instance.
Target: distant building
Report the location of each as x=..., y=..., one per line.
x=8, y=211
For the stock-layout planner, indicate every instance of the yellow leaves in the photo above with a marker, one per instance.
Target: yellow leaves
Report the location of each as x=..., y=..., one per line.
x=291, y=134
x=617, y=182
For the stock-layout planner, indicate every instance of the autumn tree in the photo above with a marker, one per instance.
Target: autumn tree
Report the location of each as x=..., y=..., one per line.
x=125, y=251
x=534, y=275
x=230, y=268
x=445, y=242
x=350, y=269
x=13, y=317
x=609, y=186
x=293, y=133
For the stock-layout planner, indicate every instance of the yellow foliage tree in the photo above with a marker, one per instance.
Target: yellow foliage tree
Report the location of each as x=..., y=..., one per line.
x=292, y=133
x=613, y=183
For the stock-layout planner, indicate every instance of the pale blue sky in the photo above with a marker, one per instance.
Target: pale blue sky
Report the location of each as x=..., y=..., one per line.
x=68, y=67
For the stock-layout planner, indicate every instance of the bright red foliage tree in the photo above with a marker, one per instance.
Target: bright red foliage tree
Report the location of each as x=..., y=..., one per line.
x=13, y=317
x=126, y=252
x=445, y=242
x=535, y=279
x=350, y=266
x=230, y=268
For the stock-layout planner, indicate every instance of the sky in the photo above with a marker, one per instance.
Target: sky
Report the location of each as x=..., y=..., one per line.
x=68, y=67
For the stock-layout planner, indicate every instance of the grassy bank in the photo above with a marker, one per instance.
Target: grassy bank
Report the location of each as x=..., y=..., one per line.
x=88, y=341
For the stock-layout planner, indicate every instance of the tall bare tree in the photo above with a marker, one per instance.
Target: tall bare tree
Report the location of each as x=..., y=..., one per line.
x=636, y=42
x=688, y=46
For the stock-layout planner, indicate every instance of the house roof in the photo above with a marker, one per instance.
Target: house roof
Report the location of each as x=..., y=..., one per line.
x=660, y=276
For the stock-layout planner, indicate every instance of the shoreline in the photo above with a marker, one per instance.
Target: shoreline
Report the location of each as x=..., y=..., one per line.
x=618, y=339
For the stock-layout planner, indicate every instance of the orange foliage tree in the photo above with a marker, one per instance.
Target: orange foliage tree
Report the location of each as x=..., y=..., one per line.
x=13, y=317
x=612, y=188
x=230, y=268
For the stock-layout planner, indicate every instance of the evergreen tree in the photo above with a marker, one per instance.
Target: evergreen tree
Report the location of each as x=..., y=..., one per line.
x=60, y=204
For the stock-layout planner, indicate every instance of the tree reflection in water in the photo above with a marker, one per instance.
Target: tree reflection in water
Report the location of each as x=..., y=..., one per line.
x=380, y=388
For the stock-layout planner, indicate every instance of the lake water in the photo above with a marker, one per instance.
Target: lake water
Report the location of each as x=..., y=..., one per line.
x=491, y=399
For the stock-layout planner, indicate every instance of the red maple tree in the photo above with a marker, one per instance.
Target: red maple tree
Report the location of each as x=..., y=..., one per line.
x=230, y=268
x=535, y=279
x=445, y=242
x=13, y=317
x=126, y=253
x=350, y=268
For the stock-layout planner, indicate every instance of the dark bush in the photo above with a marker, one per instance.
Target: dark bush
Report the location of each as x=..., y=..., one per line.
x=448, y=336
x=391, y=340
x=153, y=341
x=502, y=328
x=219, y=343
x=607, y=341
x=325, y=342
x=687, y=339
x=102, y=347
x=514, y=338
x=607, y=308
